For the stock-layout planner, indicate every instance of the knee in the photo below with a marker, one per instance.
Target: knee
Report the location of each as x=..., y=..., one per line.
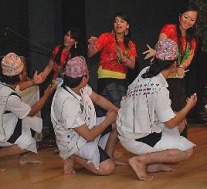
x=107, y=167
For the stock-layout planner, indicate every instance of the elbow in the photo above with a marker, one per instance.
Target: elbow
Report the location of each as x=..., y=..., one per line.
x=89, y=138
x=170, y=124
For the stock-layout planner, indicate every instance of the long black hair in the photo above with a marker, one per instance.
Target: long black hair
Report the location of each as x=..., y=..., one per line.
x=191, y=33
x=156, y=67
x=74, y=51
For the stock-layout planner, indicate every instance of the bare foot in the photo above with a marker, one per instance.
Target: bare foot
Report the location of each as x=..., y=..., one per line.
x=117, y=153
x=2, y=170
x=139, y=168
x=158, y=168
x=68, y=167
x=119, y=163
x=25, y=159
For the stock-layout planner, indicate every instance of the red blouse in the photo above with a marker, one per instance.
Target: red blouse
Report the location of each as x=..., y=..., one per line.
x=106, y=43
x=64, y=54
x=171, y=32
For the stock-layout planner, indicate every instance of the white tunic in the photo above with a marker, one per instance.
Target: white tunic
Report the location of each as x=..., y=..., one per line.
x=69, y=111
x=143, y=110
x=17, y=109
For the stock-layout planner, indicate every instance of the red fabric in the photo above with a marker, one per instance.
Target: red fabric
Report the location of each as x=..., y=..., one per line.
x=171, y=32
x=107, y=45
x=63, y=58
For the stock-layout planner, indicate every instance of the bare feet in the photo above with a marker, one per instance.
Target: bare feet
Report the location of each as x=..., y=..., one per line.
x=117, y=153
x=158, y=168
x=68, y=166
x=119, y=163
x=2, y=170
x=25, y=159
x=139, y=168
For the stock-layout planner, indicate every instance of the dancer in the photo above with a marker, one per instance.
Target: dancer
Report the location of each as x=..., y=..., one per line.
x=185, y=34
x=146, y=123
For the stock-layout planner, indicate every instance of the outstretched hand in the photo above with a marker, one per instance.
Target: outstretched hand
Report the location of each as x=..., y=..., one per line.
x=150, y=53
x=191, y=101
x=38, y=78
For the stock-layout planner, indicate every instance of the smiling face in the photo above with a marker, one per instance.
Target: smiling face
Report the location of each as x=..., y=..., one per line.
x=68, y=40
x=120, y=25
x=187, y=20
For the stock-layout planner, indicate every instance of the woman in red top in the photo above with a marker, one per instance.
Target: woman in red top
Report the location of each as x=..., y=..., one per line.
x=118, y=53
x=70, y=48
x=185, y=35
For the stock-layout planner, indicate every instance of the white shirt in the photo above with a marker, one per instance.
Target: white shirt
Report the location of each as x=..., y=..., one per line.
x=69, y=111
x=145, y=107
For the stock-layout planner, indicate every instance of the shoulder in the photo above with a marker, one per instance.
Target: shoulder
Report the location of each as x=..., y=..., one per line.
x=170, y=27
x=106, y=35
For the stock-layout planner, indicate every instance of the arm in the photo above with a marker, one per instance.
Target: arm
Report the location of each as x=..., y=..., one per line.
x=180, y=116
x=150, y=53
x=49, y=68
x=39, y=104
x=91, y=134
x=103, y=102
x=37, y=79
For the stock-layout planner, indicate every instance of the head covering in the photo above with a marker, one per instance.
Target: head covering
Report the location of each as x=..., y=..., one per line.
x=11, y=65
x=76, y=67
x=166, y=49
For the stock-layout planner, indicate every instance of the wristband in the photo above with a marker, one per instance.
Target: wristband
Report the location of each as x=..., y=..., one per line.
x=33, y=82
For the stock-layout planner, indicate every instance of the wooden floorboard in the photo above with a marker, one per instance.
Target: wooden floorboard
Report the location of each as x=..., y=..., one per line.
x=191, y=174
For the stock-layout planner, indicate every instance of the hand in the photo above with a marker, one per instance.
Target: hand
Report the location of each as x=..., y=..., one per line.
x=38, y=78
x=92, y=40
x=120, y=55
x=49, y=90
x=150, y=53
x=191, y=101
x=180, y=73
x=111, y=116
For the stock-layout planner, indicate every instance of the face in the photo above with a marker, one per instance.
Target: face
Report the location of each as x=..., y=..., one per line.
x=68, y=41
x=187, y=19
x=23, y=75
x=120, y=25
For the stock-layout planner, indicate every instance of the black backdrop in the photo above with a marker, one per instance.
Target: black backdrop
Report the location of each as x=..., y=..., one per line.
x=33, y=27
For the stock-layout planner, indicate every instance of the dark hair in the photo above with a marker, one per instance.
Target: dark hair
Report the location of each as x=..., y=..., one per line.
x=71, y=82
x=191, y=33
x=78, y=51
x=156, y=67
x=10, y=79
x=127, y=37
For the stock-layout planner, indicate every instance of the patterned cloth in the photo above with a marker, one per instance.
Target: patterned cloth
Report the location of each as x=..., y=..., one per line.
x=59, y=67
x=143, y=111
x=76, y=67
x=166, y=49
x=171, y=32
x=109, y=66
x=11, y=65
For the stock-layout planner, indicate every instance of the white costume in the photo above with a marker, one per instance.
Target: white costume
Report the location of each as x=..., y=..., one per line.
x=12, y=108
x=143, y=110
x=69, y=111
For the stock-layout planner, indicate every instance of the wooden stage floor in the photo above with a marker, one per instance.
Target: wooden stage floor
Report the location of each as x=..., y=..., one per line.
x=191, y=174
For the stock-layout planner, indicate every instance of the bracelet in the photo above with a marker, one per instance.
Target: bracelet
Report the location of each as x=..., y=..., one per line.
x=33, y=82
x=127, y=62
